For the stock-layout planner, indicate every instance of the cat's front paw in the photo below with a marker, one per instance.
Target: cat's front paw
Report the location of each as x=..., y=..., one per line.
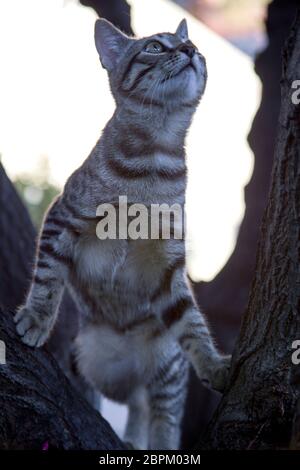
x=219, y=373
x=33, y=330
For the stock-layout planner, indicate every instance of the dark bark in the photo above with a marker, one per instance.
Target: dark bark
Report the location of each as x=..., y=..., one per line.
x=224, y=299
x=38, y=405
x=17, y=245
x=295, y=435
x=258, y=407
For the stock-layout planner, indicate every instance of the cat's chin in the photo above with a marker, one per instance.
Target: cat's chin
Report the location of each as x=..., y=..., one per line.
x=196, y=84
x=190, y=84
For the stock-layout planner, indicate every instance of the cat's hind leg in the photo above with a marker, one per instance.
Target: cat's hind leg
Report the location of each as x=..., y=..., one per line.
x=167, y=394
x=136, y=433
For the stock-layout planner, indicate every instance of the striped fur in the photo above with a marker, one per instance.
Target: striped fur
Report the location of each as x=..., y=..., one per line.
x=140, y=322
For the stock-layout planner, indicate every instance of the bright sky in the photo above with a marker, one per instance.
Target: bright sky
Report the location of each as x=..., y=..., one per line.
x=55, y=100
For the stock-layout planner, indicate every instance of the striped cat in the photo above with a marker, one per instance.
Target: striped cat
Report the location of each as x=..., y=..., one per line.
x=140, y=322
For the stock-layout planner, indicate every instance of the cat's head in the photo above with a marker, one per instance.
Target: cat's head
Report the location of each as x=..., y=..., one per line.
x=164, y=68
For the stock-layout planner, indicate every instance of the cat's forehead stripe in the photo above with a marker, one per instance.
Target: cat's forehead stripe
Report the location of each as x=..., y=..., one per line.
x=170, y=43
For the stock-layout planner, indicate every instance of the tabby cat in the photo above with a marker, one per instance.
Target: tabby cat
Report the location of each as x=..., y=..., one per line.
x=140, y=322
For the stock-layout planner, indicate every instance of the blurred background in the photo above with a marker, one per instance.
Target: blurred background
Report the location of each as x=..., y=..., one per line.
x=55, y=100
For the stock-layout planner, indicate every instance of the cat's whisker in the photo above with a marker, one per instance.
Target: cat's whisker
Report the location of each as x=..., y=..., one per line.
x=155, y=88
x=149, y=95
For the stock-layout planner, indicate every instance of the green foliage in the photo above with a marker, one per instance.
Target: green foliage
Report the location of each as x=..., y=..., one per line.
x=36, y=191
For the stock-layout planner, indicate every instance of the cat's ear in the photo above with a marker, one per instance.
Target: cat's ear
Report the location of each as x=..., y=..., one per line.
x=182, y=30
x=110, y=43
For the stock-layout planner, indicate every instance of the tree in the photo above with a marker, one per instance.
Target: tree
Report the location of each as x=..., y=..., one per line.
x=40, y=407
x=224, y=299
x=258, y=407
x=17, y=245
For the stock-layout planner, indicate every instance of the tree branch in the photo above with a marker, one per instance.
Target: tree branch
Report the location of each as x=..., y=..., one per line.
x=40, y=406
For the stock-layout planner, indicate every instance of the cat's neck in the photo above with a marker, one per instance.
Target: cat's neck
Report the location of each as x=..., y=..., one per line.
x=138, y=151
x=168, y=126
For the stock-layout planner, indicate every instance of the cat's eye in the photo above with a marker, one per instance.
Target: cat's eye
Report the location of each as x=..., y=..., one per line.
x=154, y=47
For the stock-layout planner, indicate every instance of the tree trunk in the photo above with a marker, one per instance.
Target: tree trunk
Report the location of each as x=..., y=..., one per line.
x=17, y=245
x=295, y=438
x=224, y=299
x=39, y=406
x=258, y=406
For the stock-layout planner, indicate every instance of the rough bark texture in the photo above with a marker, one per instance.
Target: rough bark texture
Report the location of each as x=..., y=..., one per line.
x=258, y=406
x=295, y=437
x=38, y=405
x=224, y=299
x=17, y=245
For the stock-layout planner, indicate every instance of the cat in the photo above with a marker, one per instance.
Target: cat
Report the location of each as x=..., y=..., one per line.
x=140, y=323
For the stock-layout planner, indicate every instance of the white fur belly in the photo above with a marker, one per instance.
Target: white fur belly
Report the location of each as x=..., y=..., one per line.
x=120, y=276
x=99, y=260
x=116, y=363
x=131, y=266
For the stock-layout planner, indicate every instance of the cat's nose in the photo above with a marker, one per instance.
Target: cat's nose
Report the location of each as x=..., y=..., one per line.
x=188, y=49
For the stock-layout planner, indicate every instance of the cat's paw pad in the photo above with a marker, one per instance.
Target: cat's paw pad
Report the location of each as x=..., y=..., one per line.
x=33, y=331
x=219, y=373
